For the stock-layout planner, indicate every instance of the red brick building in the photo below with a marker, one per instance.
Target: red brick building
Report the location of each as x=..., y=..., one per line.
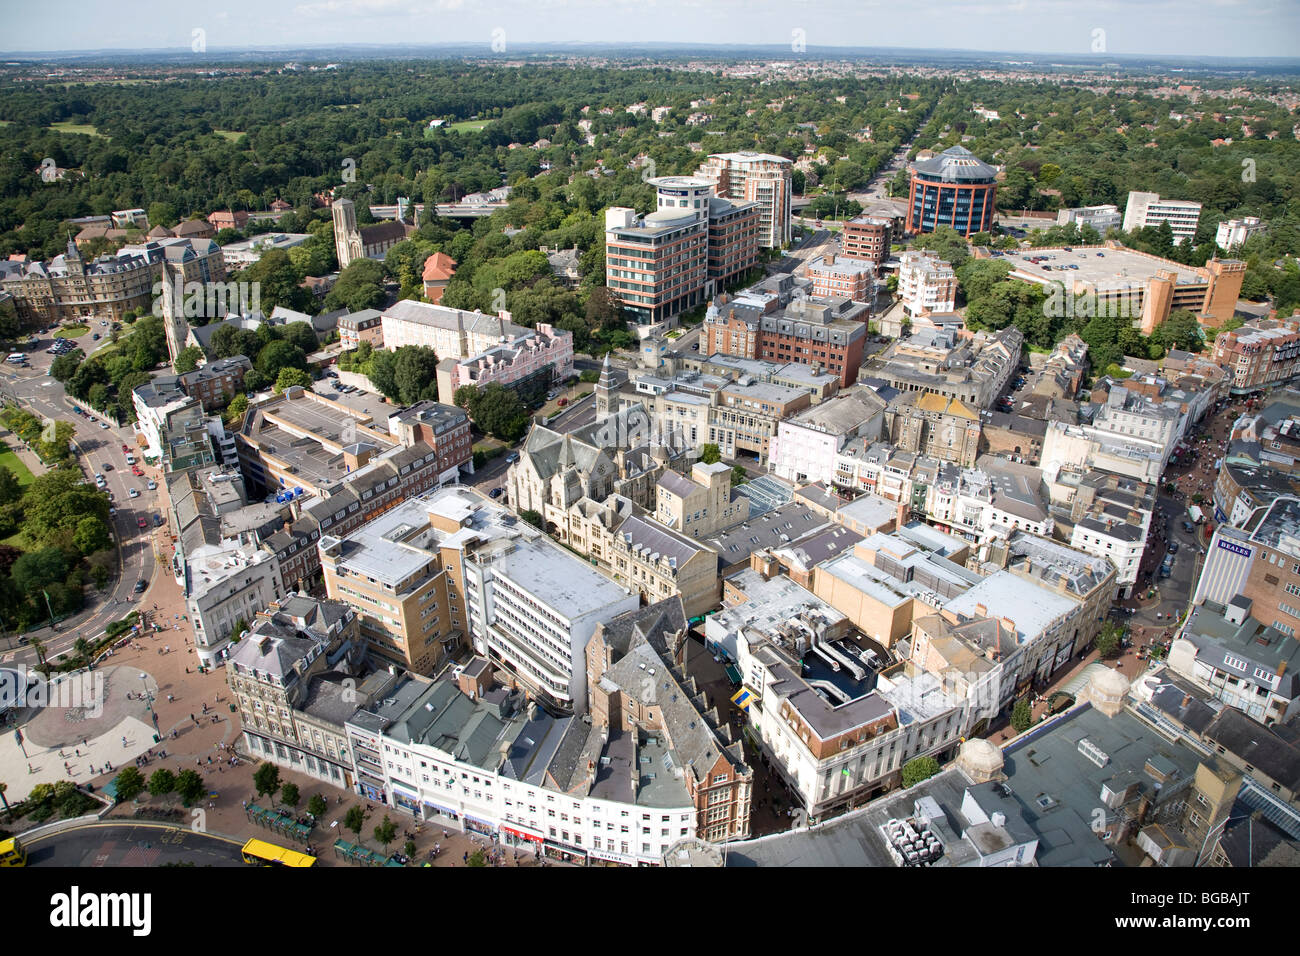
x=867, y=237
x=444, y=428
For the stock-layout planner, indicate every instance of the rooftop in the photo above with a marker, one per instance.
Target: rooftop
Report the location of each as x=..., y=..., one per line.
x=1057, y=786
x=1006, y=595
x=1103, y=267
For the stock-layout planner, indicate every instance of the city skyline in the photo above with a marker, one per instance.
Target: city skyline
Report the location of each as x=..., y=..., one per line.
x=1241, y=29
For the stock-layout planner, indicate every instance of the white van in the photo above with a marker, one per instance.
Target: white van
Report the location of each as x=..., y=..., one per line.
x=17, y=358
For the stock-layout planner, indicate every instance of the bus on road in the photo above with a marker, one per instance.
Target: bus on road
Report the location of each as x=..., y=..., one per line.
x=12, y=853
x=261, y=853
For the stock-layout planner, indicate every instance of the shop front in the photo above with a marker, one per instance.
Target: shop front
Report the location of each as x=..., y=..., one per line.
x=406, y=800
x=514, y=837
x=438, y=814
x=608, y=858
x=475, y=825
x=563, y=852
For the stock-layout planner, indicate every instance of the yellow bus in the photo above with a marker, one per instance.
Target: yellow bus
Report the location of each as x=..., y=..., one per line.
x=12, y=853
x=261, y=853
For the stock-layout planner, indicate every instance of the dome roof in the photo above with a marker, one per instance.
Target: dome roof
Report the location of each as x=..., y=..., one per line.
x=1108, y=682
x=980, y=754
x=956, y=164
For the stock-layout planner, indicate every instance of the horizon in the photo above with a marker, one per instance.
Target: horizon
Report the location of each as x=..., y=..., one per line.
x=1224, y=30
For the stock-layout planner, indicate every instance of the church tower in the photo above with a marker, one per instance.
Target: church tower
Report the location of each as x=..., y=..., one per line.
x=347, y=237
x=605, y=388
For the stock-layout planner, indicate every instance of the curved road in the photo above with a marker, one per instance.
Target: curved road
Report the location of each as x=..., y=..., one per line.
x=131, y=844
x=34, y=390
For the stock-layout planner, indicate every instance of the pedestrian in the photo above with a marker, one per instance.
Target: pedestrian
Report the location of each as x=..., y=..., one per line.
x=123, y=741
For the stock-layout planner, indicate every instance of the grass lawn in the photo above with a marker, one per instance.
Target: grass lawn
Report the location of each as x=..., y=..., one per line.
x=228, y=134
x=66, y=126
x=10, y=460
x=71, y=331
x=466, y=125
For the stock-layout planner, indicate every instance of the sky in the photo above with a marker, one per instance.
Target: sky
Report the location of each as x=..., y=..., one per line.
x=1232, y=28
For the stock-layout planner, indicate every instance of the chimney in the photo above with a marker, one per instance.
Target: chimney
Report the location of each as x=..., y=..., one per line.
x=981, y=610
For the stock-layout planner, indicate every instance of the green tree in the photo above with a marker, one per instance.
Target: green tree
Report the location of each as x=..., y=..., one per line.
x=65, y=366
x=1022, y=716
x=415, y=374
x=190, y=786
x=385, y=832
x=290, y=795
x=266, y=779
x=317, y=806
x=710, y=454
x=289, y=377
x=355, y=819
x=129, y=784
x=236, y=409
x=279, y=355
x=91, y=535
x=918, y=769
x=278, y=282
x=359, y=287
x=230, y=340
x=477, y=858
x=55, y=502
x=1107, y=640
x=188, y=359
x=56, y=446
x=162, y=782
x=37, y=570
x=534, y=518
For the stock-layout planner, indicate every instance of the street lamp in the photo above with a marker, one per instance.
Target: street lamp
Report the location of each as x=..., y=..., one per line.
x=148, y=697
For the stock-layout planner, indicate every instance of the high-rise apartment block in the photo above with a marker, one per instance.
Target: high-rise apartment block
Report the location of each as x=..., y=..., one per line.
x=755, y=177
x=673, y=259
x=1149, y=210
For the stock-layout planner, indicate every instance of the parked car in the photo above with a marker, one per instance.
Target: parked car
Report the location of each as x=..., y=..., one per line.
x=1188, y=527
x=512, y=458
x=125, y=447
x=140, y=586
x=140, y=522
x=107, y=466
x=137, y=471
x=1173, y=547
x=133, y=492
x=495, y=493
x=151, y=485
x=157, y=521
